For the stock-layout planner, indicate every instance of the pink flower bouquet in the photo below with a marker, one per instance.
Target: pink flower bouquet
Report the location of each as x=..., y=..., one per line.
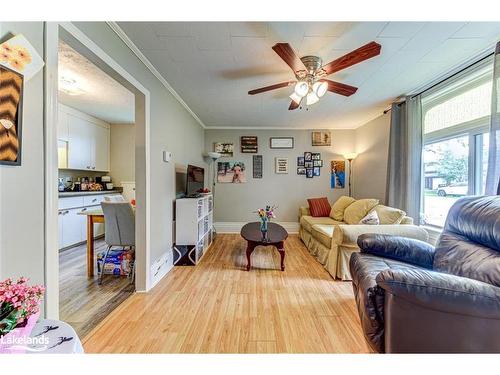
x=19, y=308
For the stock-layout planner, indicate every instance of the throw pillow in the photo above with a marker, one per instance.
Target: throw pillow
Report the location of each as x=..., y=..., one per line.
x=319, y=207
x=358, y=210
x=371, y=219
x=389, y=215
x=338, y=208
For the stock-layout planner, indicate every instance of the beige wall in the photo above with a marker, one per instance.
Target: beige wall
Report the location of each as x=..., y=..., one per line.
x=122, y=153
x=370, y=167
x=236, y=202
x=22, y=187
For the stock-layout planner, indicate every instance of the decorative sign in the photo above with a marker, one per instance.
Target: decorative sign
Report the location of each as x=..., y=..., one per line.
x=337, y=180
x=281, y=142
x=226, y=149
x=281, y=165
x=257, y=166
x=322, y=138
x=248, y=144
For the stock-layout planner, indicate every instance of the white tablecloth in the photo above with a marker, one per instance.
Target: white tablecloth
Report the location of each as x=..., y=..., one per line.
x=54, y=337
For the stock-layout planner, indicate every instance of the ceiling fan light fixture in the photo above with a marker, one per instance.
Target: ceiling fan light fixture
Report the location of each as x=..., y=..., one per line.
x=312, y=98
x=301, y=88
x=320, y=88
x=296, y=98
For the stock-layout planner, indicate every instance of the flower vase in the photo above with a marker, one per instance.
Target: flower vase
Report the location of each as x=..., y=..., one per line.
x=12, y=342
x=263, y=229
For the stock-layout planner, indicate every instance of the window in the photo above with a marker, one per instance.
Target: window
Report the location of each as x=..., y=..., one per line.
x=455, y=153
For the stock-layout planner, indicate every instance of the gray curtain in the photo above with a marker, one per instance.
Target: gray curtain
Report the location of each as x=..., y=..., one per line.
x=493, y=175
x=405, y=157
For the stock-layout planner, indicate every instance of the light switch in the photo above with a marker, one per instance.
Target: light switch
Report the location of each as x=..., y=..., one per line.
x=167, y=156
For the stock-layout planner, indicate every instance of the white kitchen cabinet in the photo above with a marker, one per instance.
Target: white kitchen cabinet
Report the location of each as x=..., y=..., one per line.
x=73, y=227
x=79, y=143
x=88, y=140
x=62, y=125
x=100, y=150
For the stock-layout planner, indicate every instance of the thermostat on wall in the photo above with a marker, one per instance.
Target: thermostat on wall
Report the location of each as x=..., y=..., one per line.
x=167, y=156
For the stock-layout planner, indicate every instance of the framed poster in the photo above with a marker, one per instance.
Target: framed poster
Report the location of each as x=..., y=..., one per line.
x=226, y=149
x=281, y=165
x=231, y=172
x=257, y=166
x=316, y=156
x=301, y=171
x=337, y=180
x=248, y=144
x=11, y=110
x=281, y=142
x=309, y=172
x=322, y=138
x=316, y=171
x=300, y=161
x=307, y=156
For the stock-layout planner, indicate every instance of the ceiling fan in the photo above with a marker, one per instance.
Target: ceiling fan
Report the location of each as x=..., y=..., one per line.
x=311, y=84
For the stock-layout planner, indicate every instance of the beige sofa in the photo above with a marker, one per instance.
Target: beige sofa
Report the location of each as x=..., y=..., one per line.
x=332, y=242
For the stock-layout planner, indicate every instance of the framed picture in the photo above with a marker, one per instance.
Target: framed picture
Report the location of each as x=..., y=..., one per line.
x=307, y=156
x=309, y=164
x=231, y=172
x=316, y=171
x=248, y=144
x=281, y=165
x=281, y=142
x=11, y=111
x=257, y=166
x=316, y=156
x=309, y=173
x=337, y=180
x=317, y=163
x=226, y=149
x=301, y=170
x=300, y=161
x=322, y=138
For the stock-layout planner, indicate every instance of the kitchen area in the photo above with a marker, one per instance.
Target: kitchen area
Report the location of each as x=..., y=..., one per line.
x=96, y=163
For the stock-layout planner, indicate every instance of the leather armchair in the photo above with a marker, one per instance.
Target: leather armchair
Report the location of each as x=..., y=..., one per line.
x=414, y=298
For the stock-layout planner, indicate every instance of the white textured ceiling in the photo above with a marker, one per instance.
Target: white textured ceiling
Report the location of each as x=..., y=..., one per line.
x=212, y=65
x=101, y=95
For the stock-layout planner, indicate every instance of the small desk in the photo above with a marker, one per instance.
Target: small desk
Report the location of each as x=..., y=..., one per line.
x=93, y=216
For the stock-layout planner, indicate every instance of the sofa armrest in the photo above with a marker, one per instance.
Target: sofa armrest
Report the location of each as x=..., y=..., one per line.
x=407, y=250
x=347, y=235
x=304, y=211
x=442, y=292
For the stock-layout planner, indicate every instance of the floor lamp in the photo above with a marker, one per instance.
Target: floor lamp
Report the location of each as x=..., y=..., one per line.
x=214, y=156
x=350, y=157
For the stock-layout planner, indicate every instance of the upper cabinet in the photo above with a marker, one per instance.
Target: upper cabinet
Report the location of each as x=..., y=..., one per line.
x=87, y=140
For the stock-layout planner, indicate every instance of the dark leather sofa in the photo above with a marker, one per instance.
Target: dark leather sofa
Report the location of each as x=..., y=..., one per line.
x=414, y=298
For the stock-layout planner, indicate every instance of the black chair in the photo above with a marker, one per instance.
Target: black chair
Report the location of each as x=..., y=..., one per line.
x=414, y=298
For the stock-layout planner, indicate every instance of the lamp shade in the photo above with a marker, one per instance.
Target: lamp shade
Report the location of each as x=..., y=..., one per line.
x=351, y=156
x=319, y=88
x=296, y=98
x=312, y=98
x=301, y=88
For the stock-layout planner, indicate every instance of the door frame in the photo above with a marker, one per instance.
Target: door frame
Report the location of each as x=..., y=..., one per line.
x=52, y=34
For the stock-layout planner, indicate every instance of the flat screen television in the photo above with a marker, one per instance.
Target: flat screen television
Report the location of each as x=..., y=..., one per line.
x=195, y=180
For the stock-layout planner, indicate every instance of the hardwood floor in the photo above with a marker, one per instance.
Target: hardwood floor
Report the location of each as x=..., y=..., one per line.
x=82, y=302
x=219, y=307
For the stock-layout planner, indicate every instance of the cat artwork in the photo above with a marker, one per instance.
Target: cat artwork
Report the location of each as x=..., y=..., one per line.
x=11, y=84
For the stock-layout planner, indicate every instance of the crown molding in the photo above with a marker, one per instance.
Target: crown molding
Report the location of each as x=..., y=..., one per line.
x=128, y=42
x=273, y=128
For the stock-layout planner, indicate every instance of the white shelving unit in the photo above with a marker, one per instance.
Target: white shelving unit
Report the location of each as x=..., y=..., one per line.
x=193, y=229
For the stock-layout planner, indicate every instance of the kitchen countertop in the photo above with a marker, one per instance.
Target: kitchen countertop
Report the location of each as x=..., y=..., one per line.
x=63, y=194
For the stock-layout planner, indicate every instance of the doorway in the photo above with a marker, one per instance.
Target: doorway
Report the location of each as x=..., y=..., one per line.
x=80, y=43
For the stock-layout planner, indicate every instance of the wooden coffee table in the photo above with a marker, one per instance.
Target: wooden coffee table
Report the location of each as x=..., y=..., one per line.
x=276, y=236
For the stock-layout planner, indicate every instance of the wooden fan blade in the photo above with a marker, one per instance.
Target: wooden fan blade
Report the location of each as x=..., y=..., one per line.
x=272, y=87
x=340, y=88
x=286, y=52
x=293, y=105
x=363, y=53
